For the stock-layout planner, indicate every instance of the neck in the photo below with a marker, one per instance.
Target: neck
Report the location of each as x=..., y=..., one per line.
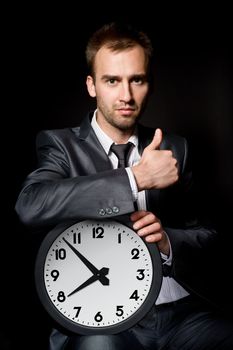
x=121, y=137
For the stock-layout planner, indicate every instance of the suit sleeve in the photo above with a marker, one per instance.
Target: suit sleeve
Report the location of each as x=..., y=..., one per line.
x=54, y=193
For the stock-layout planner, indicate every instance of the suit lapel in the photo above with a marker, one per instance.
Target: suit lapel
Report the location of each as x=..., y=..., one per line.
x=92, y=147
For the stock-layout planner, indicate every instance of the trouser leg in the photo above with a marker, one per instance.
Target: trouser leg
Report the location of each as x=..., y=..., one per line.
x=201, y=331
x=123, y=341
x=186, y=325
x=104, y=342
x=57, y=340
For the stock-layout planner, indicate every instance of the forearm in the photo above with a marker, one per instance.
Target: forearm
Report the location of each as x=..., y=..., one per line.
x=190, y=248
x=101, y=195
x=192, y=239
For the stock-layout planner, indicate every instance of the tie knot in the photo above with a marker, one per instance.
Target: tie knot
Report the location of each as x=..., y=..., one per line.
x=122, y=151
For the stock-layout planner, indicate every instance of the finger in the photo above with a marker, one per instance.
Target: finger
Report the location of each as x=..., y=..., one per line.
x=144, y=221
x=149, y=229
x=157, y=139
x=154, y=238
x=138, y=215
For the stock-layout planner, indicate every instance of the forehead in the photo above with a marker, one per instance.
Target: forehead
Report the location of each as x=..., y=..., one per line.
x=128, y=61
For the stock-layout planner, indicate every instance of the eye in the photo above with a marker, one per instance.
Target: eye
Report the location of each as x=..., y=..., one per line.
x=112, y=81
x=137, y=80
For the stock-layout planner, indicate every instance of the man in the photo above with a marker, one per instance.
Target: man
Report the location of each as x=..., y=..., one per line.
x=78, y=177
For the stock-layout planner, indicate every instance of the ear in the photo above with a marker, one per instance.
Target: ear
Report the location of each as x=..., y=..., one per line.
x=90, y=86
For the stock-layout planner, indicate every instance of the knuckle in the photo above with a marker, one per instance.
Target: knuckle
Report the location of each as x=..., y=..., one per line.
x=169, y=153
x=152, y=217
x=158, y=226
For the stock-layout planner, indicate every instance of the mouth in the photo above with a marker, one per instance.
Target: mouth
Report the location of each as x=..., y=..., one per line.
x=126, y=111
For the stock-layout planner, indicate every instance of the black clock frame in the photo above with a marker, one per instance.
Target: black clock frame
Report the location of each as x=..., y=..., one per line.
x=74, y=327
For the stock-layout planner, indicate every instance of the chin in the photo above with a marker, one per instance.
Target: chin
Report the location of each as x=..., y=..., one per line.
x=127, y=125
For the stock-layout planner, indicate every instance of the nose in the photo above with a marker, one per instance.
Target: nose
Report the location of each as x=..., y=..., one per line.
x=125, y=92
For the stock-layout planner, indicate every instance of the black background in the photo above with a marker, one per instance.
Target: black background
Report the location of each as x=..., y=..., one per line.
x=44, y=87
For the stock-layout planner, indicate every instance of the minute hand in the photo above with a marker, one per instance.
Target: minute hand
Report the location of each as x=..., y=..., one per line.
x=88, y=264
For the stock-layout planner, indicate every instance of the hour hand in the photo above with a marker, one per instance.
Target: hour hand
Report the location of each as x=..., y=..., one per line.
x=101, y=276
x=90, y=280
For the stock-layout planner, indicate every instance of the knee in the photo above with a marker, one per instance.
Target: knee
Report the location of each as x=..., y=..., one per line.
x=97, y=342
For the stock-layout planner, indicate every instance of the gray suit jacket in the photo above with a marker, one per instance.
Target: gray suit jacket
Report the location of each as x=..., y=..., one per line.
x=75, y=180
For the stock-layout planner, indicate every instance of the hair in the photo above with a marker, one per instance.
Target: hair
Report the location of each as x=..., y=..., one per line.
x=117, y=37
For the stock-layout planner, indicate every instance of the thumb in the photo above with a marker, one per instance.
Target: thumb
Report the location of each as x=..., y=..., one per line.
x=157, y=139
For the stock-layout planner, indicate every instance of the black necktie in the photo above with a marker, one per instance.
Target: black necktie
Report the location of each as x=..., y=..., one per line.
x=122, y=151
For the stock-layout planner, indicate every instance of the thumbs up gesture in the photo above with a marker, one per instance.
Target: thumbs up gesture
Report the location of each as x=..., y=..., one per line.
x=157, y=168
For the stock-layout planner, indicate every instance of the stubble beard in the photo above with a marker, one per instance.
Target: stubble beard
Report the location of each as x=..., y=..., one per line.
x=122, y=123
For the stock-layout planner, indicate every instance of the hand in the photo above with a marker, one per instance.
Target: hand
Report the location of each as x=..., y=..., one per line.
x=147, y=225
x=100, y=274
x=157, y=168
x=100, y=277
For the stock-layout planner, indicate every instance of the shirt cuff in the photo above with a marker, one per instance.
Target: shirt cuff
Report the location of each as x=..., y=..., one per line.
x=132, y=182
x=167, y=259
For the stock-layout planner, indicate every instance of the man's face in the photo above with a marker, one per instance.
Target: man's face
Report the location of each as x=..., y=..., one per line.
x=120, y=87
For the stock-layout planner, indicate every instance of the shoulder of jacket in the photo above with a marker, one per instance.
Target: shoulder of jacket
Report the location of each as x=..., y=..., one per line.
x=56, y=134
x=170, y=140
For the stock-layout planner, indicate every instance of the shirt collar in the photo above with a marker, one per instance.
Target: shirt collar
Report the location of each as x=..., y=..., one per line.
x=104, y=139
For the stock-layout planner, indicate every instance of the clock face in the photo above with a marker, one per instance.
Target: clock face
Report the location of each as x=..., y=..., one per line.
x=97, y=276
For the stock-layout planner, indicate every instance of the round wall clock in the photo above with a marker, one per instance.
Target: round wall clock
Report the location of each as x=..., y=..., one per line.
x=97, y=277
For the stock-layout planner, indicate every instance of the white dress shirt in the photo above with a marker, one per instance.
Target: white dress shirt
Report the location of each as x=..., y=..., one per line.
x=170, y=289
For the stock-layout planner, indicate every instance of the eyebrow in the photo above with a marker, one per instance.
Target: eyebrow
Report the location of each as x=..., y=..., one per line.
x=142, y=76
